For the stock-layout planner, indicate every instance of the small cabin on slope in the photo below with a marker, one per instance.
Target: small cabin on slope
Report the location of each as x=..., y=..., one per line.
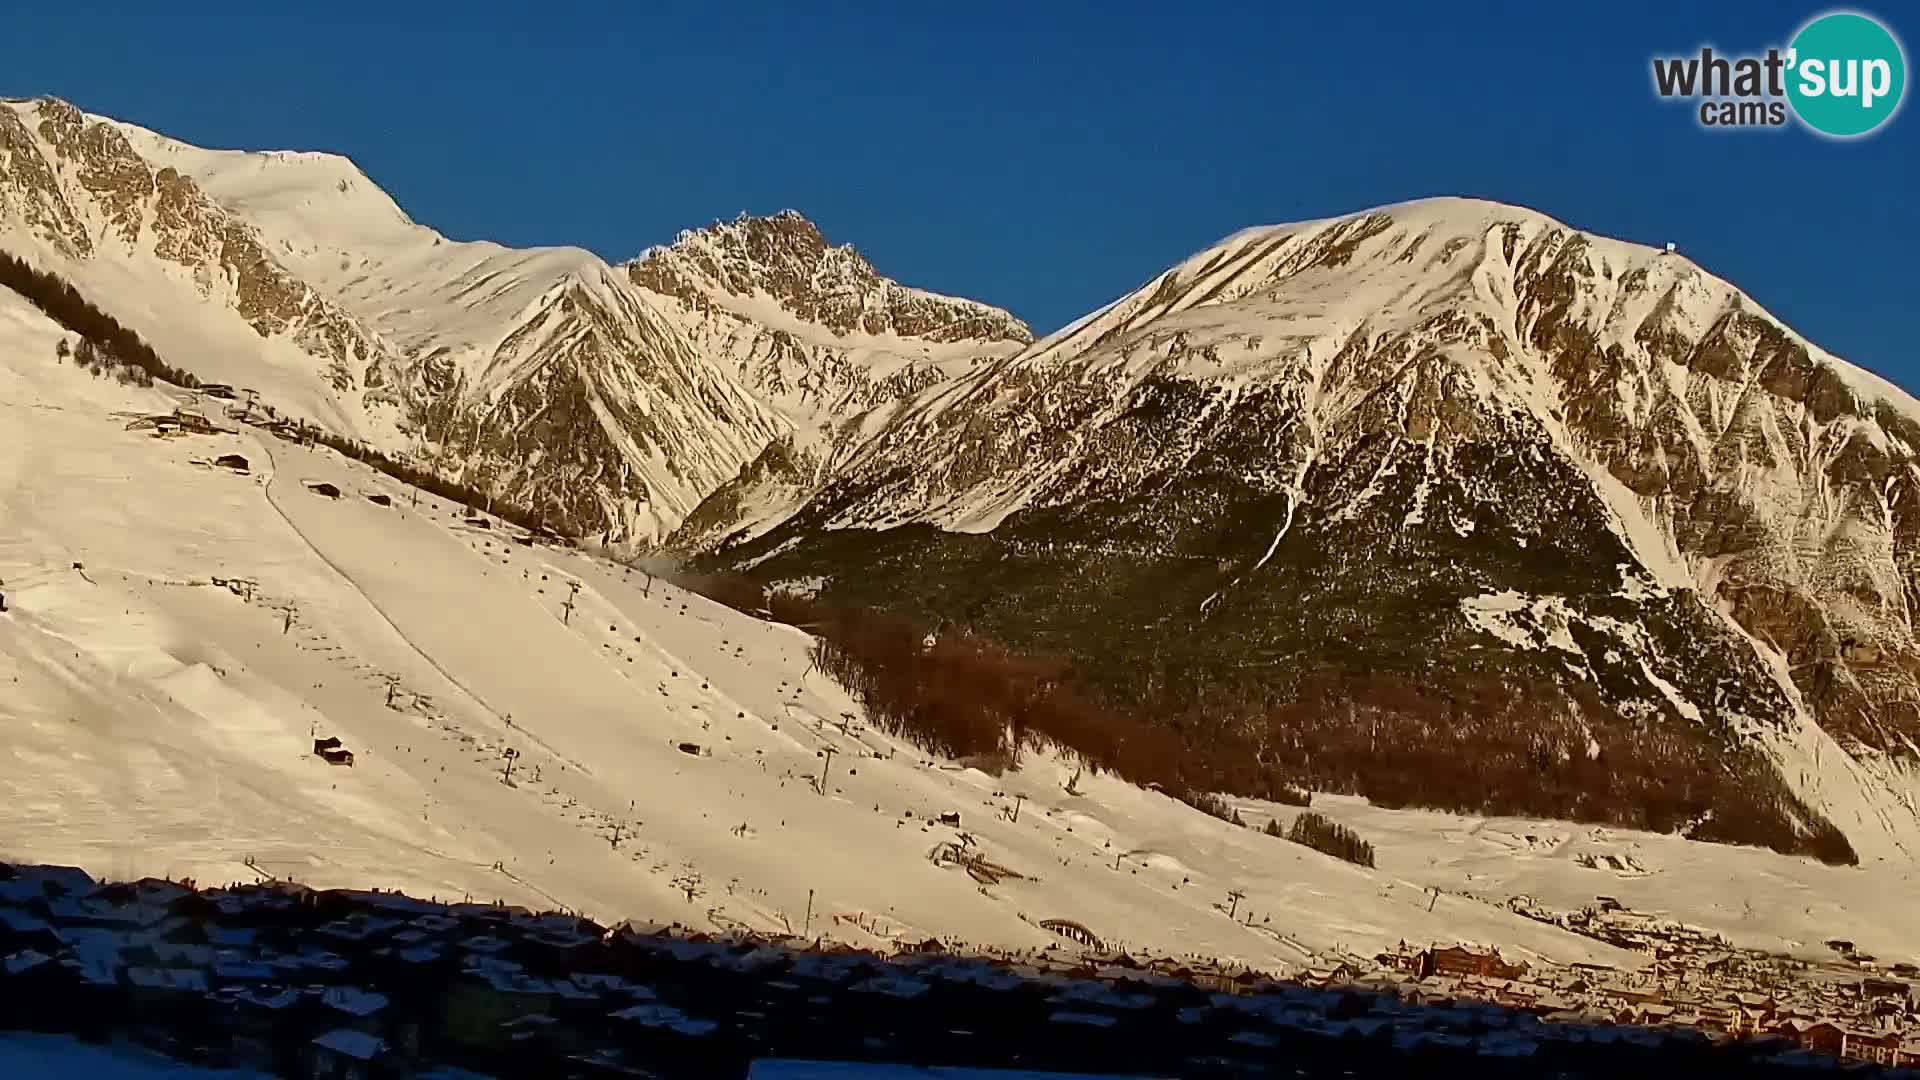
x=330, y=751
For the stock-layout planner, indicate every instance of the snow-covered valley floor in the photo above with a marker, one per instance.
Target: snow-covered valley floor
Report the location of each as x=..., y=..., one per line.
x=155, y=722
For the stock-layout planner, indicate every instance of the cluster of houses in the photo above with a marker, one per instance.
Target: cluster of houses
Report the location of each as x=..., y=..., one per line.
x=179, y=422
x=362, y=985
x=1696, y=981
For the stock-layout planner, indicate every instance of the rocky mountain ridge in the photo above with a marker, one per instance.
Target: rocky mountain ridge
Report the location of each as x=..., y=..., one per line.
x=784, y=257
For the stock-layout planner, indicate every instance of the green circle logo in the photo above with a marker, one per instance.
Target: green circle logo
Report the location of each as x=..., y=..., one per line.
x=1847, y=74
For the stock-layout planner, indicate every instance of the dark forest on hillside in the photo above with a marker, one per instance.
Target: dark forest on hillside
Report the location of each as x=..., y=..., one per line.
x=967, y=695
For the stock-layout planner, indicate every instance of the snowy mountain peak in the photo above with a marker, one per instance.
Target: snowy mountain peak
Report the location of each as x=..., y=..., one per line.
x=317, y=197
x=785, y=258
x=818, y=334
x=1454, y=273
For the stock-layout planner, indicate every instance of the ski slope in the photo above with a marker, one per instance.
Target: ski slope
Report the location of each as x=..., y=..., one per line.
x=154, y=722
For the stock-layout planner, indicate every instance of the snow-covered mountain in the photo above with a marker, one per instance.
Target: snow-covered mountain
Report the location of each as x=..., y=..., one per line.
x=610, y=399
x=540, y=371
x=1440, y=453
x=1448, y=483
x=196, y=282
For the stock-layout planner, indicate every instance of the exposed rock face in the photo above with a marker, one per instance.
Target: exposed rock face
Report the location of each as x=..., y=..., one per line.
x=31, y=195
x=772, y=485
x=784, y=258
x=1391, y=465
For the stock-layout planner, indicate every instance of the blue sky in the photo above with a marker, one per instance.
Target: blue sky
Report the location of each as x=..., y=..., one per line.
x=1044, y=157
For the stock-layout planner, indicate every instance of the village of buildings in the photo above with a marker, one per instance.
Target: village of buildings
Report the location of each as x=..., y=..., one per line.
x=358, y=985
x=1853, y=1007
